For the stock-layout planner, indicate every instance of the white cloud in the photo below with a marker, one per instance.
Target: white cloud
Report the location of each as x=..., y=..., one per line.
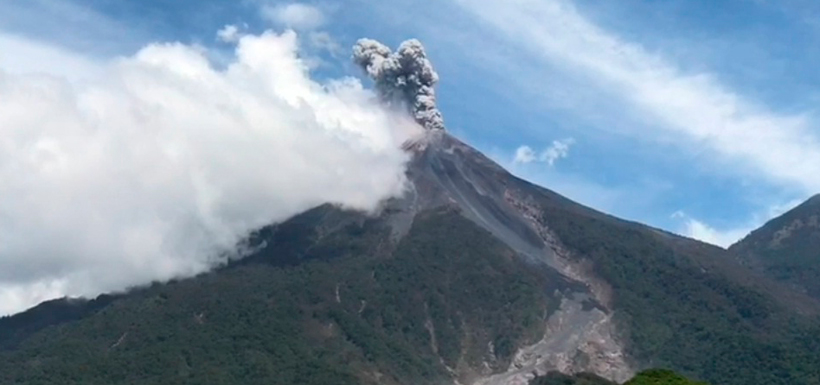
x=696, y=229
x=294, y=15
x=702, y=231
x=524, y=154
x=557, y=150
x=696, y=109
x=228, y=34
x=163, y=162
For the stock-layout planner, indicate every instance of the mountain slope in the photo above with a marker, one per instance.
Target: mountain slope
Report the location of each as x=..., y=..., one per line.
x=787, y=248
x=350, y=315
x=473, y=275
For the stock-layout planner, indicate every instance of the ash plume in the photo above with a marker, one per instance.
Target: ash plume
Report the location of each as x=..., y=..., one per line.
x=405, y=77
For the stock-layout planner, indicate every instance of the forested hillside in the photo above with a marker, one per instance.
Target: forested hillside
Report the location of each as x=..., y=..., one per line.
x=686, y=305
x=353, y=312
x=787, y=248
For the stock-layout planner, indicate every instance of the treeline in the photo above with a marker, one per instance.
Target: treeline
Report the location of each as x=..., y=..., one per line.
x=647, y=377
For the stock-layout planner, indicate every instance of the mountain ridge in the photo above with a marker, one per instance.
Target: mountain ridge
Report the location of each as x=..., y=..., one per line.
x=787, y=248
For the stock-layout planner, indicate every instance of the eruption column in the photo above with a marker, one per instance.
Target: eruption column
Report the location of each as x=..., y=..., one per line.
x=405, y=77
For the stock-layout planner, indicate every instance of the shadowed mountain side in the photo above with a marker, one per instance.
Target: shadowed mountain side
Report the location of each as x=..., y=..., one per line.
x=400, y=314
x=15, y=329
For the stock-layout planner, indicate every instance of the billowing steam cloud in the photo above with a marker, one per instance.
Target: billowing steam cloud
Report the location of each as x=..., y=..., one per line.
x=405, y=77
x=162, y=163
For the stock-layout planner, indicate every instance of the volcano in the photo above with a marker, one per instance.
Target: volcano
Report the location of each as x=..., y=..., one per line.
x=472, y=276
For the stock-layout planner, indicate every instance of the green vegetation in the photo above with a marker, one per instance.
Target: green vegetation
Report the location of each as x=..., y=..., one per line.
x=557, y=378
x=681, y=309
x=787, y=248
x=441, y=295
x=661, y=377
x=647, y=377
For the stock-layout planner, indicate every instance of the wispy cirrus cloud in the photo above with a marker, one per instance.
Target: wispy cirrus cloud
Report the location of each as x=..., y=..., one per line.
x=651, y=100
x=694, y=108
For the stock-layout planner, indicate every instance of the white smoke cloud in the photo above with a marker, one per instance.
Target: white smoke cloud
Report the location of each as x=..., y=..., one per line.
x=406, y=77
x=164, y=162
x=557, y=150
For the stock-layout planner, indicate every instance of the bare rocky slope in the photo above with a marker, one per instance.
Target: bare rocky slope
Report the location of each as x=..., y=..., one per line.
x=472, y=277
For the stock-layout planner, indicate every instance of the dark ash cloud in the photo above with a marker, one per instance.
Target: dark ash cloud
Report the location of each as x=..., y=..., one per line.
x=405, y=77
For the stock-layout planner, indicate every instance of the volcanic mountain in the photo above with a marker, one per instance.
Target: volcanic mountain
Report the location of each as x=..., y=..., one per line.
x=472, y=276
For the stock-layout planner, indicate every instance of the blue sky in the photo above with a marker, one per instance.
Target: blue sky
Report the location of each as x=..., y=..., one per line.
x=697, y=117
